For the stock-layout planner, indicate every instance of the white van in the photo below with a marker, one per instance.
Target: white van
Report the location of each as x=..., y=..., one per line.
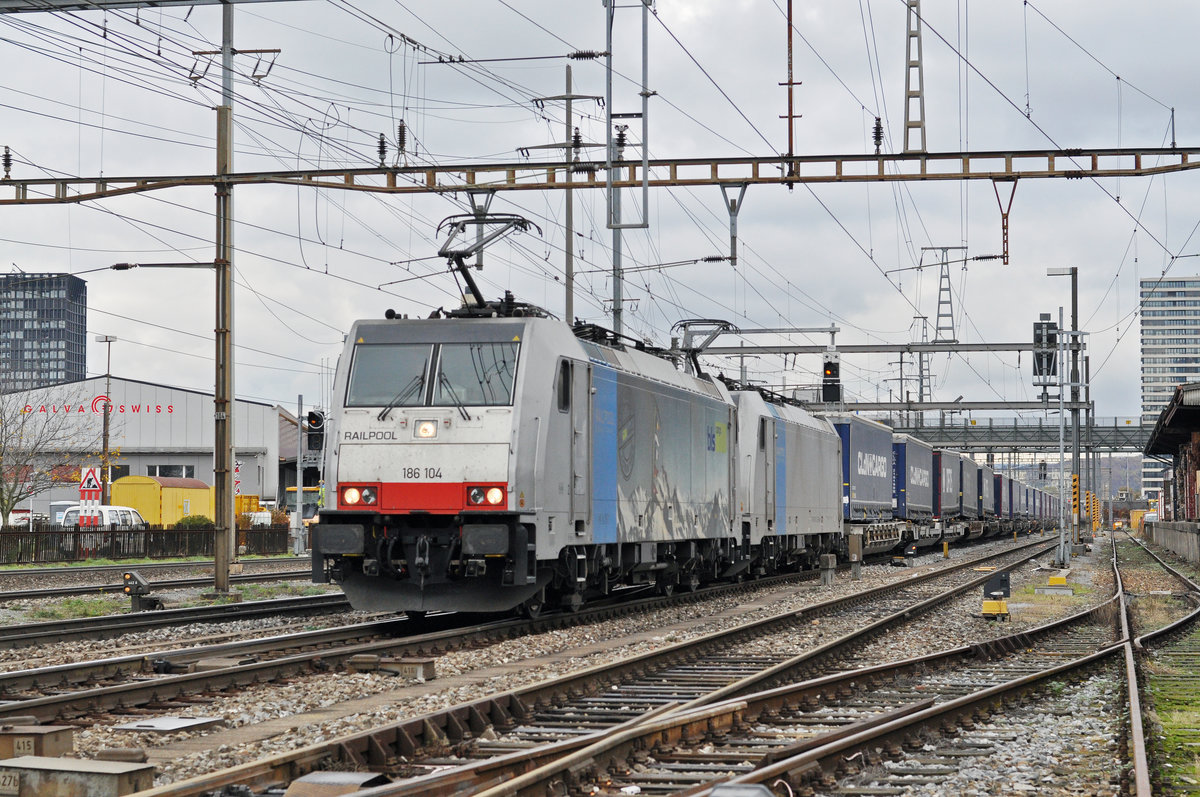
x=111, y=517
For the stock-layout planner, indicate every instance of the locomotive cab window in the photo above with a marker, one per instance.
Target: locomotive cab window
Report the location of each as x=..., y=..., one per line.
x=475, y=374
x=564, y=386
x=432, y=374
x=383, y=374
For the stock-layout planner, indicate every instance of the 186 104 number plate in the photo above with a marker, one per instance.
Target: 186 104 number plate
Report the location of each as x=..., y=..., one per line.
x=413, y=474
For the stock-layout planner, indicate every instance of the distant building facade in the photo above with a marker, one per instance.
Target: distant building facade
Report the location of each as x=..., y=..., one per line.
x=161, y=431
x=1170, y=328
x=43, y=330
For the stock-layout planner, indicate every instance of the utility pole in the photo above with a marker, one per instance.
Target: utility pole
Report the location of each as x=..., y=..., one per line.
x=569, y=235
x=1064, y=553
x=618, y=146
x=791, y=91
x=298, y=515
x=224, y=550
x=106, y=476
x=944, y=323
x=1073, y=273
x=914, y=68
x=571, y=146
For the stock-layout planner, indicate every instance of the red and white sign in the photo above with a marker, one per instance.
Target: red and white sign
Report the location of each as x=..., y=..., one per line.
x=89, y=497
x=237, y=478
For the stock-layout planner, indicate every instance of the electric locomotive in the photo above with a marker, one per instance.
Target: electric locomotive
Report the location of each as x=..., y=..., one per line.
x=486, y=463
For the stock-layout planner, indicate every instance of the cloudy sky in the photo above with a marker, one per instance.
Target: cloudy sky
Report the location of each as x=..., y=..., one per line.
x=121, y=94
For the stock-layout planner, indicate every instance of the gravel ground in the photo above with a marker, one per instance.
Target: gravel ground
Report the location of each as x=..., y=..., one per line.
x=1065, y=744
x=168, y=639
x=383, y=699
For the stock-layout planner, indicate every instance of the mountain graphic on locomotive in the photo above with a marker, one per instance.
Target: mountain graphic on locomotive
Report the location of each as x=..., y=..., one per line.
x=493, y=458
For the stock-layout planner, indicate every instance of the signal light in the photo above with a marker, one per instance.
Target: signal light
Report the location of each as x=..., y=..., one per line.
x=316, y=430
x=831, y=385
x=135, y=583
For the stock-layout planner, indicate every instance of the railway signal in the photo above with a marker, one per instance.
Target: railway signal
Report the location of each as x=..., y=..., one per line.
x=831, y=378
x=138, y=589
x=316, y=430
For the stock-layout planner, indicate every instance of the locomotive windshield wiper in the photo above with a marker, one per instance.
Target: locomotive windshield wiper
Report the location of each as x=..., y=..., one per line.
x=415, y=385
x=445, y=381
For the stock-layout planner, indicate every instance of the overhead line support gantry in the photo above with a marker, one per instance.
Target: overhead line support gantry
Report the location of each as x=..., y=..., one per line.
x=663, y=173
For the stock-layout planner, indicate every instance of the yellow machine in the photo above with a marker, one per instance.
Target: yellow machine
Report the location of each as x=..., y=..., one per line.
x=995, y=593
x=995, y=609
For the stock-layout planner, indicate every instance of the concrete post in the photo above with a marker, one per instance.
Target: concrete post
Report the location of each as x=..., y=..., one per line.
x=828, y=568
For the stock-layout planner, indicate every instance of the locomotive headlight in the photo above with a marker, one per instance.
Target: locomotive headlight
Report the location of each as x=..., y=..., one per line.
x=368, y=495
x=351, y=495
x=490, y=496
x=426, y=429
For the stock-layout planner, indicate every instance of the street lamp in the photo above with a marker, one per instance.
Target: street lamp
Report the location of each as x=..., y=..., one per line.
x=106, y=481
x=224, y=550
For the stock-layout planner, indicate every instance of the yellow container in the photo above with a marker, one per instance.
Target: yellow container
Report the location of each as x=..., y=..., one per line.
x=245, y=503
x=1057, y=581
x=1135, y=519
x=164, y=500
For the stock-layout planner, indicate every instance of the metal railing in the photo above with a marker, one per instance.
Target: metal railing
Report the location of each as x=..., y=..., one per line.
x=54, y=544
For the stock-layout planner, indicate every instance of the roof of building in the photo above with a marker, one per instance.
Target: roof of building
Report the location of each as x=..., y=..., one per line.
x=100, y=378
x=1176, y=422
x=166, y=481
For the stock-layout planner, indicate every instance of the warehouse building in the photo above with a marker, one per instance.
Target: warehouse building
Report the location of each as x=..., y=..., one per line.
x=153, y=430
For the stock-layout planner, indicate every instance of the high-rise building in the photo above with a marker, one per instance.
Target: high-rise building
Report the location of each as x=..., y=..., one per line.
x=1170, y=352
x=43, y=330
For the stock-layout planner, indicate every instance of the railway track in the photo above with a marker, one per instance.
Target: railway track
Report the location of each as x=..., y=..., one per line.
x=8, y=573
x=1170, y=661
x=114, y=625
x=577, y=706
x=159, y=584
x=948, y=722
x=77, y=691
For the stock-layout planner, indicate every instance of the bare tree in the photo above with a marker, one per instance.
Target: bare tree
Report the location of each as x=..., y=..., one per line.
x=43, y=442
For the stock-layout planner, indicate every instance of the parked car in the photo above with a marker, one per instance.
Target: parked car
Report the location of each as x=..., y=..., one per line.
x=118, y=518
x=100, y=541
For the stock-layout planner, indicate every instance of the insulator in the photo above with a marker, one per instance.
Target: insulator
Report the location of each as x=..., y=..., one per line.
x=576, y=142
x=620, y=138
x=585, y=55
x=878, y=134
x=713, y=258
x=402, y=136
x=382, y=150
x=7, y=161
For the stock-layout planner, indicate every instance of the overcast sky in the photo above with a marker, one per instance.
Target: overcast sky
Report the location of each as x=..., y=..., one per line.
x=121, y=94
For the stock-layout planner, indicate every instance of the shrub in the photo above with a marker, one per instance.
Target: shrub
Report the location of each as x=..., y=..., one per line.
x=195, y=522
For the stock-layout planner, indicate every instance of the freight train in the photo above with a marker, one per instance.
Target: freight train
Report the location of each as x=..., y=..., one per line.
x=494, y=458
